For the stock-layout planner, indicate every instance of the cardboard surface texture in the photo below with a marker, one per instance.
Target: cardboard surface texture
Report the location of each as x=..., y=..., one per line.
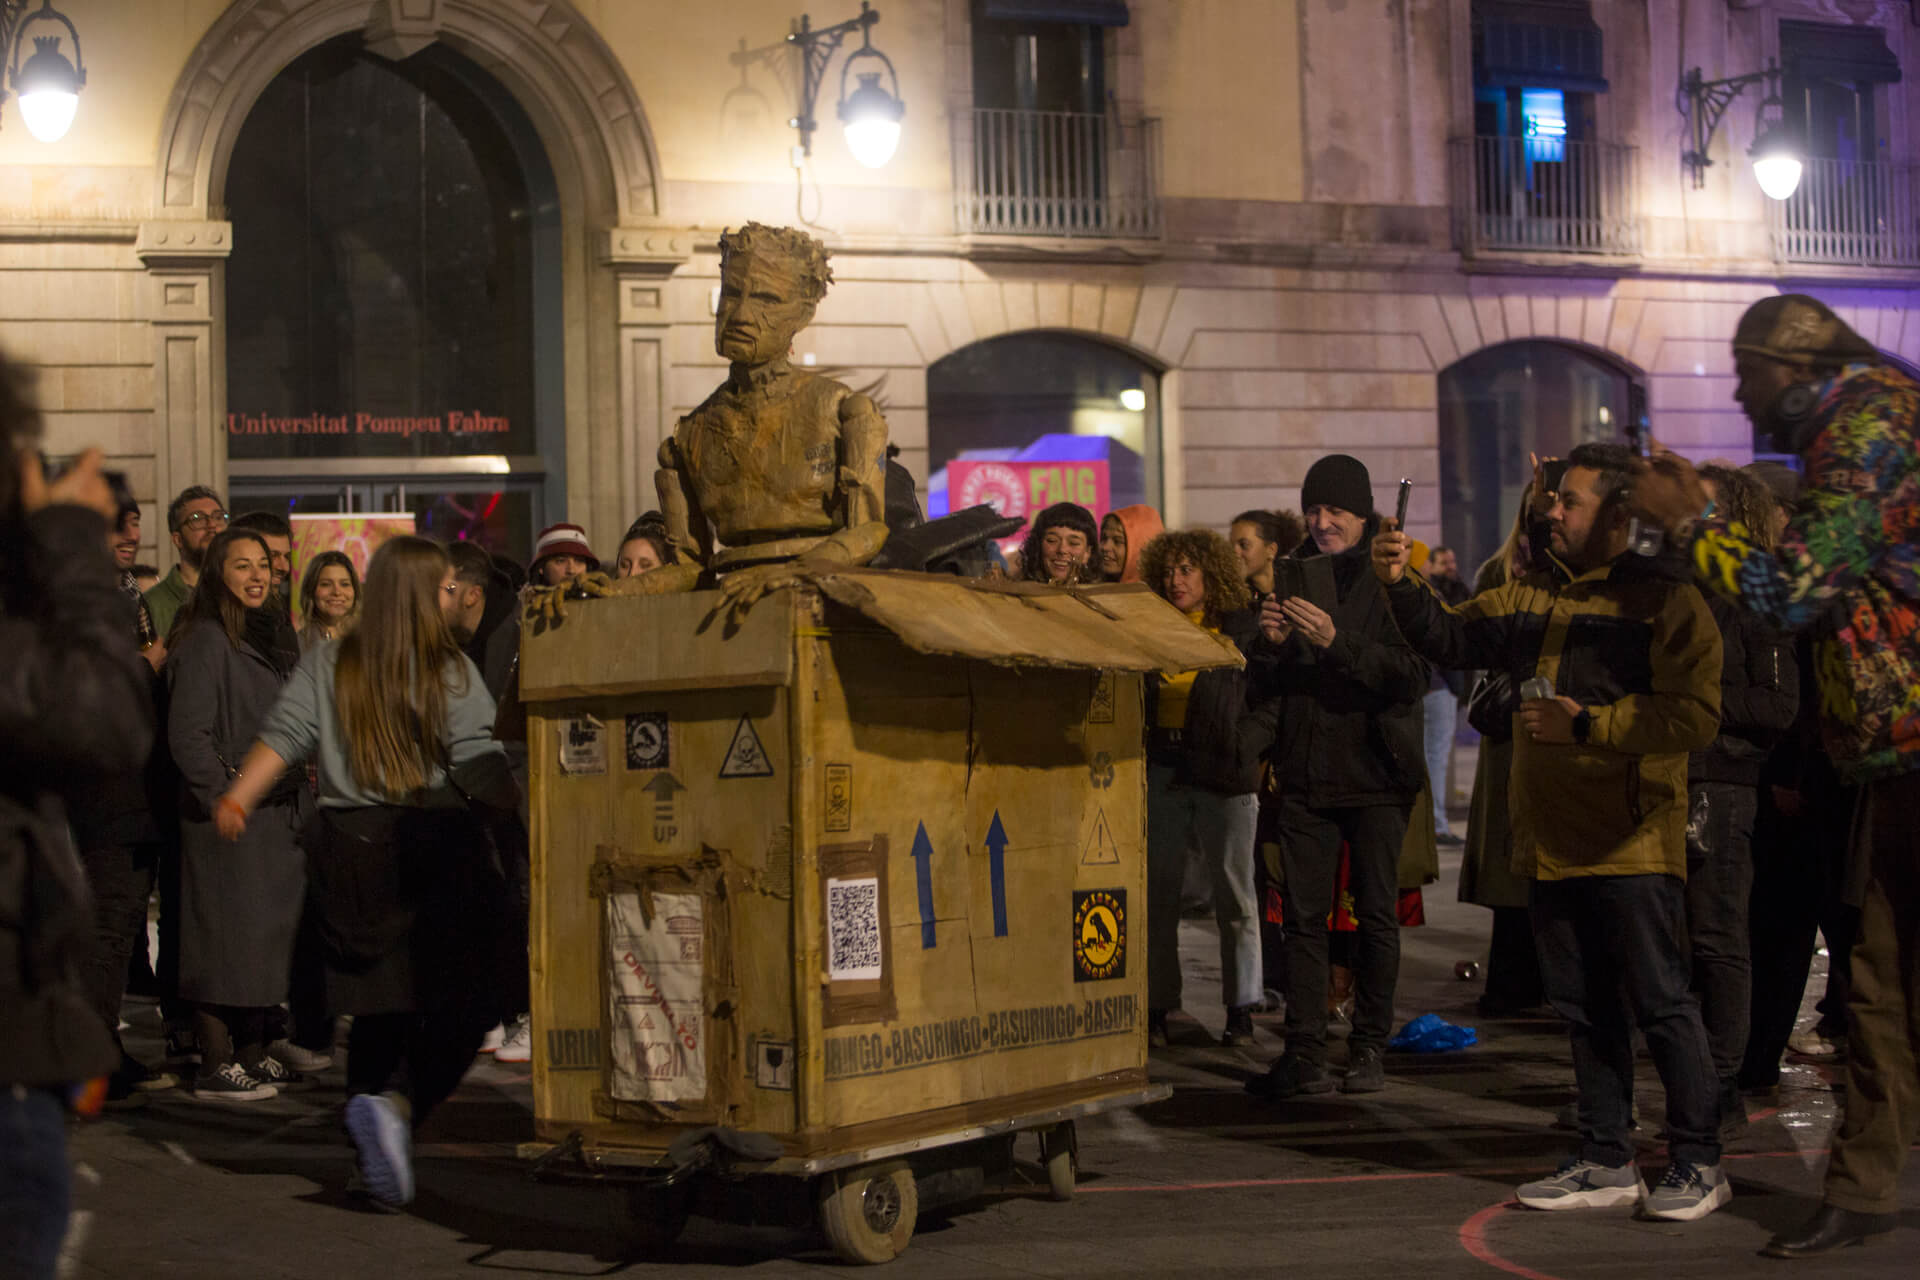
x=867, y=865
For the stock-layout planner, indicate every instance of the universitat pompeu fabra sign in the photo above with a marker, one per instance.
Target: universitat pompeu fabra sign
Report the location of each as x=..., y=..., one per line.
x=454, y=423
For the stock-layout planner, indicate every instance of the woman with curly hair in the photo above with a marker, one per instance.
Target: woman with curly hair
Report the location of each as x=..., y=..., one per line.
x=1060, y=543
x=1201, y=780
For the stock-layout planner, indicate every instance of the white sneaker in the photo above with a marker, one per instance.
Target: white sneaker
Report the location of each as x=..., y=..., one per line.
x=493, y=1040
x=1811, y=1046
x=291, y=1054
x=517, y=1044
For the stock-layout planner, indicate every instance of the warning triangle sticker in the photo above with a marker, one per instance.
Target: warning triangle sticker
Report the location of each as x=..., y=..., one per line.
x=1100, y=849
x=746, y=758
x=646, y=1022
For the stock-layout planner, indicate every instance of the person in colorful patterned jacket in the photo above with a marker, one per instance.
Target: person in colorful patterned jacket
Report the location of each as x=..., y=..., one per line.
x=1848, y=570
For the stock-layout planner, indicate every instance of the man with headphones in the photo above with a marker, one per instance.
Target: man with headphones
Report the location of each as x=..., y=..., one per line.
x=1847, y=569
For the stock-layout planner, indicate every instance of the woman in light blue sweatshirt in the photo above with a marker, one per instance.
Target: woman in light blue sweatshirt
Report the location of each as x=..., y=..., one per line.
x=404, y=874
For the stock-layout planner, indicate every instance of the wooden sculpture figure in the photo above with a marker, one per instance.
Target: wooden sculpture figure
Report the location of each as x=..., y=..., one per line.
x=781, y=471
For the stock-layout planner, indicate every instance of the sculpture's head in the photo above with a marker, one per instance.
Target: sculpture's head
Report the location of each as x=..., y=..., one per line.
x=770, y=280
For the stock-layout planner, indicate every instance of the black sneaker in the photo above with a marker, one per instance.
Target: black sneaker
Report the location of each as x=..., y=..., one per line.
x=182, y=1044
x=1366, y=1072
x=231, y=1083
x=1288, y=1077
x=140, y=1077
x=1239, y=1026
x=270, y=1070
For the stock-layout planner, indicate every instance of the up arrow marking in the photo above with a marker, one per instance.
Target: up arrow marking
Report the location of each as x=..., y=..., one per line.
x=997, y=873
x=923, y=873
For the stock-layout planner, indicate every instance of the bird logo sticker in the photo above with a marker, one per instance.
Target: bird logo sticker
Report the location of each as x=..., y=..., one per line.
x=1099, y=934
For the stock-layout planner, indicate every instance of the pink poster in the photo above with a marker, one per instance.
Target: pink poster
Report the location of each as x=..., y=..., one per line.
x=358, y=536
x=1025, y=489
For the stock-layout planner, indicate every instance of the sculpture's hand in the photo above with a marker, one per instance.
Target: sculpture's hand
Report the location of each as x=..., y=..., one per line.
x=546, y=606
x=744, y=587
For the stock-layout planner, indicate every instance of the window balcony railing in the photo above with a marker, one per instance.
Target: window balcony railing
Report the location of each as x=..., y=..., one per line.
x=1851, y=213
x=1546, y=195
x=1055, y=173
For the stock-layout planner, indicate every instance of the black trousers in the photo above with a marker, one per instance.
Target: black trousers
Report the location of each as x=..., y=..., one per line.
x=1719, y=887
x=1310, y=841
x=121, y=877
x=424, y=1055
x=1513, y=963
x=1798, y=866
x=1613, y=955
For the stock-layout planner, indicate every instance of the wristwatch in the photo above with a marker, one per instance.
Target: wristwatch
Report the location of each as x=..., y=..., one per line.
x=1582, y=725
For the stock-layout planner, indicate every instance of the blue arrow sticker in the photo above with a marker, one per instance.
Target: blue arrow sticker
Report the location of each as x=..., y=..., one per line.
x=923, y=874
x=997, y=873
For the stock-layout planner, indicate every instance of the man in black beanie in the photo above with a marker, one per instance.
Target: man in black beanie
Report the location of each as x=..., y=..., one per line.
x=1341, y=690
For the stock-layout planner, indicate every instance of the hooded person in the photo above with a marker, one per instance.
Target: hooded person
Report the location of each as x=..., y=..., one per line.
x=1843, y=571
x=1060, y=546
x=1124, y=534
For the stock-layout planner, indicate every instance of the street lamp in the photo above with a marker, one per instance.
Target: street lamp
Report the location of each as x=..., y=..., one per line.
x=1775, y=152
x=48, y=86
x=870, y=114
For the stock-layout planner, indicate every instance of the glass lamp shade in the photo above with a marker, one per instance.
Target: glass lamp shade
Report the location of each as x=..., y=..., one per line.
x=1778, y=173
x=49, y=91
x=872, y=119
x=1776, y=160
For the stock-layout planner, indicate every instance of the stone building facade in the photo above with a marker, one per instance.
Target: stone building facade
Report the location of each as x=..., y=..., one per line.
x=1310, y=237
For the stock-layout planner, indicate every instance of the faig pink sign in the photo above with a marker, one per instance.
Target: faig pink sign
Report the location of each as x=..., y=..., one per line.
x=1025, y=489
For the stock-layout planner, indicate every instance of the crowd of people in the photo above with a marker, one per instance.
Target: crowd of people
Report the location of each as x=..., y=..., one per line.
x=1690, y=761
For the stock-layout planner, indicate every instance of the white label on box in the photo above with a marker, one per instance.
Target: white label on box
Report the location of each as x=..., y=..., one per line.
x=853, y=930
x=583, y=746
x=658, y=1014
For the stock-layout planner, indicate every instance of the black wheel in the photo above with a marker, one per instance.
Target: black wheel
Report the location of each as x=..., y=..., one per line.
x=648, y=1218
x=1060, y=1152
x=868, y=1212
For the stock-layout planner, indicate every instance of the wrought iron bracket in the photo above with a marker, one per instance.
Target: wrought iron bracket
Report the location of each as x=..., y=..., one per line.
x=1707, y=103
x=817, y=47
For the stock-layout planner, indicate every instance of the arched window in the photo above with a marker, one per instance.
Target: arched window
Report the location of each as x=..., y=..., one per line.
x=392, y=299
x=1503, y=404
x=1061, y=417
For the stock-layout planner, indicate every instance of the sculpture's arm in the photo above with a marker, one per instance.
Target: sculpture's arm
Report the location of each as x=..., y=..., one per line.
x=687, y=527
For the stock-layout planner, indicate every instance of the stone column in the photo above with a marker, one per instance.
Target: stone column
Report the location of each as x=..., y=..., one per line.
x=185, y=262
x=642, y=264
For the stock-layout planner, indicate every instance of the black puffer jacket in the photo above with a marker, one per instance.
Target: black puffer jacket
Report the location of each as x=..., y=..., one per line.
x=1759, y=697
x=1344, y=722
x=73, y=707
x=1219, y=750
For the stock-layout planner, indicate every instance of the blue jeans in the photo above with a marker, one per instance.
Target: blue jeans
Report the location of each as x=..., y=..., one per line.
x=34, y=1190
x=1221, y=828
x=1613, y=955
x=1439, y=710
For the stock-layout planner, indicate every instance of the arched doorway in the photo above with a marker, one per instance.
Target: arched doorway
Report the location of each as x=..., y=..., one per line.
x=1062, y=417
x=1502, y=404
x=393, y=298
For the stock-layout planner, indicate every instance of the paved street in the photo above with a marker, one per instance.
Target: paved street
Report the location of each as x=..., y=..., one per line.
x=1210, y=1183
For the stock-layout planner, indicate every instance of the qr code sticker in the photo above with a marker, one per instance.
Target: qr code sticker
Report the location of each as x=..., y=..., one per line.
x=853, y=930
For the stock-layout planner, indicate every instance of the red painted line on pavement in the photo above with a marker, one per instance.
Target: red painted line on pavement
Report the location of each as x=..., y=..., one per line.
x=1473, y=1238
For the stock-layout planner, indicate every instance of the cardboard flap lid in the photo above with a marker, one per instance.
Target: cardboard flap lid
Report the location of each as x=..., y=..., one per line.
x=1121, y=627
x=669, y=642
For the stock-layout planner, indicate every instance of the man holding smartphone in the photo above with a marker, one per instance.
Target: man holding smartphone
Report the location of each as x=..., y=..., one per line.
x=1340, y=692
x=1629, y=660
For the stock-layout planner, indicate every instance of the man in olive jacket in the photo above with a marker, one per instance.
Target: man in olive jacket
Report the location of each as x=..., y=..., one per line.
x=1599, y=807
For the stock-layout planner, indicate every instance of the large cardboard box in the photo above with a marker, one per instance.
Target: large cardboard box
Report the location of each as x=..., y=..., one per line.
x=865, y=865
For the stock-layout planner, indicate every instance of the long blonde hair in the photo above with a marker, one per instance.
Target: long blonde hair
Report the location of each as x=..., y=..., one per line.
x=390, y=685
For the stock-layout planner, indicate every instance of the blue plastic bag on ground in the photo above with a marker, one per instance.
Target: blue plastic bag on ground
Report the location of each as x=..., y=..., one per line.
x=1430, y=1033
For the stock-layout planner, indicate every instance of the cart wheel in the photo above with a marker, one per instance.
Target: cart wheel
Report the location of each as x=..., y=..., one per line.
x=649, y=1218
x=868, y=1212
x=1060, y=1152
